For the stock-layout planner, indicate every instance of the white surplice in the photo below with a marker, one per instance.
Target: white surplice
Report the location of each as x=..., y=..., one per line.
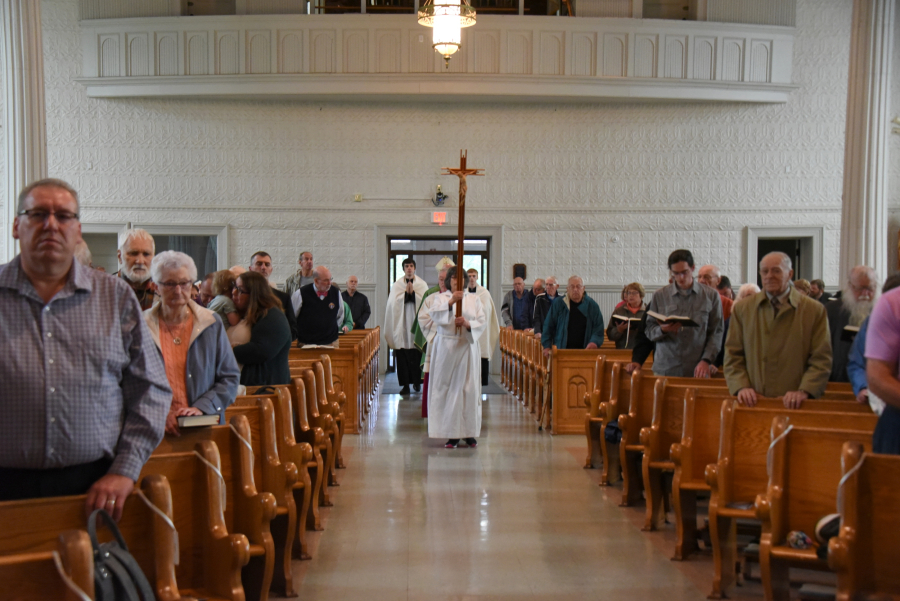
x=488, y=341
x=454, y=382
x=428, y=328
x=400, y=315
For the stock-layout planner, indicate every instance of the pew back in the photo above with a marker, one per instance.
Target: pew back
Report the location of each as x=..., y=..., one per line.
x=44, y=575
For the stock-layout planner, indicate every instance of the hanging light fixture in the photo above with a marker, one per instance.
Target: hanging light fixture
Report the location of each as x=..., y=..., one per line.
x=447, y=18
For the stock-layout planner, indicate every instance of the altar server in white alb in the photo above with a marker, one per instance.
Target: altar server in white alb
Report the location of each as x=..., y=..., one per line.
x=488, y=341
x=454, y=387
x=406, y=295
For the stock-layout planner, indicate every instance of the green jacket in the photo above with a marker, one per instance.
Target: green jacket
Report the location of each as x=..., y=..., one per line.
x=348, y=318
x=556, y=326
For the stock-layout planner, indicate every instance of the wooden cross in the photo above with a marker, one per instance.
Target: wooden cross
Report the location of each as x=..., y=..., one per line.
x=462, y=173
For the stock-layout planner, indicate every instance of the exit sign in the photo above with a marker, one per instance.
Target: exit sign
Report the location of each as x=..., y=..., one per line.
x=439, y=217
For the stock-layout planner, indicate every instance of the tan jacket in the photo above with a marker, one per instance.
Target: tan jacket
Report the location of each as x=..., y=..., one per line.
x=774, y=355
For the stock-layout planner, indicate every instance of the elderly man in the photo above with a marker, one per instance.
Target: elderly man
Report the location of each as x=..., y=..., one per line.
x=778, y=342
x=358, y=303
x=424, y=329
x=399, y=321
x=261, y=263
x=303, y=276
x=711, y=276
x=857, y=299
x=87, y=394
x=514, y=308
x=487, y=342
x=542, y=304
x=136, y=250
x=575, y=322
x=685, y=351
x=320, y=311
x=206, y=293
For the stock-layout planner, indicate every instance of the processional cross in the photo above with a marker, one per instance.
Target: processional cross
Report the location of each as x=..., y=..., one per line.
x=462, y=173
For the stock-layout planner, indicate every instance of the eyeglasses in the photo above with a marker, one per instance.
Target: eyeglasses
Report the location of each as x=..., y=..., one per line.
x=680, y=274
x=173, y=285
x=240, y=290
x=37, y=216
x=632, y=292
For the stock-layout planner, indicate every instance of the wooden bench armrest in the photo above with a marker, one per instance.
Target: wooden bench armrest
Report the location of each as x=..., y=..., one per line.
x=228, y=553
x=676, y=453
x=840, y=550
x=647, y=437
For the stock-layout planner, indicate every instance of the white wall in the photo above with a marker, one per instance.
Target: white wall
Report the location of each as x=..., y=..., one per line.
x=603, y=190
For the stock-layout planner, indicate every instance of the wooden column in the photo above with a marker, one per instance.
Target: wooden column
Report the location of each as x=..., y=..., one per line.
x=24, y=113
x=864, y=222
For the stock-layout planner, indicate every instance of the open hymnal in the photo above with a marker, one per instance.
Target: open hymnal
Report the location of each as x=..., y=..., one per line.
x=196, y=421
x=685, y=321
x=849, y=333
x=623, y=318
x=316, y=346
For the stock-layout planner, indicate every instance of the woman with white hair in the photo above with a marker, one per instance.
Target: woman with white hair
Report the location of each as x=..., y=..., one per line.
x=200, y=364
x=746, y=290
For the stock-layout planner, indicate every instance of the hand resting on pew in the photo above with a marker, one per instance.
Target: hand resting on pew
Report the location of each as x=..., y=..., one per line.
x=792, y=399
x=109, y=493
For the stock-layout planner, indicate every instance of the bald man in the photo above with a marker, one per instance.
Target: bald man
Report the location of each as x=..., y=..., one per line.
x=320, y=310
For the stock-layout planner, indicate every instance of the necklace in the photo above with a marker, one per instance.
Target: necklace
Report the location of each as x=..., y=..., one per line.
x=176, y=340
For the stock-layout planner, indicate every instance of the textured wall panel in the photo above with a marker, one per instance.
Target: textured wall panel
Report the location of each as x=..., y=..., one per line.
x=615, y=55
x=733, y=59
x=762, y=12
x=167, y=53
x=421, y=53
x=259, y=51
x=387, y=50
x=290, y=52
x=760, y=60
x=518, y=53
x=603, y=8
x=274, y=7
x=137, y=59
x=356, y=51
x=109, y=56
x=676, y=57
x=704, y=58
x=584, y=54
x=228, y=54
x=196, y=51
x=321, y=51
x=553, y=52
x=486, y=50
x=646, y=55
x=121, y=9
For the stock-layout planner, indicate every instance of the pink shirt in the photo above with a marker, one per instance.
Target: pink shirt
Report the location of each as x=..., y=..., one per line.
x=883, y=337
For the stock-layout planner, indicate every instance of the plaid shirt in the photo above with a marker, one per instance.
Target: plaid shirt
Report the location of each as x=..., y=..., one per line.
x=81, y=377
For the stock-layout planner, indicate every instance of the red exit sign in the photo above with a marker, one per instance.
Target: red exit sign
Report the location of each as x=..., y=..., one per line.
x=439, y=217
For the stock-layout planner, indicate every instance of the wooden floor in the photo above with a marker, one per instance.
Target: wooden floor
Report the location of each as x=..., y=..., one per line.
x=516, y=518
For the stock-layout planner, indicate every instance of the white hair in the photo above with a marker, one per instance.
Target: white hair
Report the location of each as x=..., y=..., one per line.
x=444, y=263
x=577, y=277
x=136, y=234
x=786, y=263
x=170, y=260
x=83, y=253
x=746, y=290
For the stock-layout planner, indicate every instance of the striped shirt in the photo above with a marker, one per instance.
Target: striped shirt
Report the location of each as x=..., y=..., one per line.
x=81, y=379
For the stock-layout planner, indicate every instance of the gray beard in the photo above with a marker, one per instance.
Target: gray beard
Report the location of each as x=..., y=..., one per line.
x=858, y=310
x=133, y=277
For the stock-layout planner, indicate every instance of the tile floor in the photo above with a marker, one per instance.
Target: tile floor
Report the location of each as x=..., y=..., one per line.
x=516, y=518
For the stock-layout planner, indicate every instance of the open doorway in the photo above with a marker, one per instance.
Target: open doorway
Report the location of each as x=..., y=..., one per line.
x=803, y=245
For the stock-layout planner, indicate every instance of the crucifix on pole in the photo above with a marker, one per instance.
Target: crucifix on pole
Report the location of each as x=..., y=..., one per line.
x=462, y=172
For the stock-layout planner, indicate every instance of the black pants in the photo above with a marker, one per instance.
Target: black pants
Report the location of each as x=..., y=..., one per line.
x=55, y=482
x=409, y=368
x=485, y=371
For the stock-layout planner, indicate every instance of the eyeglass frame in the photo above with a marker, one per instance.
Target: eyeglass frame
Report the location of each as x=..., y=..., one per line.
x=54, y=214
x=174, y=285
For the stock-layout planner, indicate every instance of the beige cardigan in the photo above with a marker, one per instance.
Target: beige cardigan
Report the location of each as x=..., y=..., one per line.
x=774, y=355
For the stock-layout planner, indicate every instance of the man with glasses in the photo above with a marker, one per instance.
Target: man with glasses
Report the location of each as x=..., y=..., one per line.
x=575, y=322
x=261, y=263
x=685, y=351
x=320, y=311
x=136, y=250
x=858, y=296
x=86, y=394
x=778, y=344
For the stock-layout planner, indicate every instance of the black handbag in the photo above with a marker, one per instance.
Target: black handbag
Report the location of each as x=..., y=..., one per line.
x=117, y=576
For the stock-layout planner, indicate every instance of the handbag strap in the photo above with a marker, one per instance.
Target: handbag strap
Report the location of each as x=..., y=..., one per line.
x=110, y=525
x=130, y=574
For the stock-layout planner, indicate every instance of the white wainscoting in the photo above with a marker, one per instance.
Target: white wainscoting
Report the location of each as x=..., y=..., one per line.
x=509, y=57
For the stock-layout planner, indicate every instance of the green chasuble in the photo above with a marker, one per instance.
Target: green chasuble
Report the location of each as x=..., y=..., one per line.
x=420, y=340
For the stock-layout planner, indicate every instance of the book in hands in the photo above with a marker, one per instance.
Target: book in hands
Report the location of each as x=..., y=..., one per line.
x=197, y=421
x=849, y=333
x=623, y=318
x=684, y=321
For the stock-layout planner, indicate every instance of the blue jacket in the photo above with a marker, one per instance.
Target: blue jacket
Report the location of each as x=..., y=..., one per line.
x=556, y=326
x=212, y=371
x=856, y=360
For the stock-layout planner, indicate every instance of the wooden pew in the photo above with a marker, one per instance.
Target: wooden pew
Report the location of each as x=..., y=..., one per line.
x=248, y=511
x=570, y=373
x=51, y=574
x=504, y=357
x=347, y=370
x=739, y=473
x=699, y=447
x=335, y=404
x=324, y=415
x=804, y=473
x=34, y=525
x=304, y=379
x=864, y=554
